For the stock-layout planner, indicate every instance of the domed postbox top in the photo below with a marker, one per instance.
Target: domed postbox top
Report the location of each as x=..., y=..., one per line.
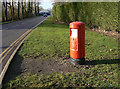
x=75, y=24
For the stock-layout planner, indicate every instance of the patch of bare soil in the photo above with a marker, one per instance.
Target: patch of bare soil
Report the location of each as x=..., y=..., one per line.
x=110, y=33
x=47, y=66
x=21, y=66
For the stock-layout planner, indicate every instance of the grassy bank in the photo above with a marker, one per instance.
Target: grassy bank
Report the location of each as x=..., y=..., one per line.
x=51, y=41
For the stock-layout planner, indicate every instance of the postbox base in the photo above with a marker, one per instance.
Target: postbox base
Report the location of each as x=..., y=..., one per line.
x=78, y=61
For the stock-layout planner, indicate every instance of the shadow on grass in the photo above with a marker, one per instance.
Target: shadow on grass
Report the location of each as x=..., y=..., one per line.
x=13, y=70
x=105, y=61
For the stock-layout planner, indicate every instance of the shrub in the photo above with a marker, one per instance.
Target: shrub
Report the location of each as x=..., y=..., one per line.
x=100, y=14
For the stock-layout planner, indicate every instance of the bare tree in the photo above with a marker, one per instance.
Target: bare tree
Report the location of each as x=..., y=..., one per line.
x=25, y=3
x=28, y=8
x=6, y=11
x=22, y=9
x=38, y=7
x=35, y=8
x=31, y=10
x=18, y=9
x=3, y=11
x=12, y=9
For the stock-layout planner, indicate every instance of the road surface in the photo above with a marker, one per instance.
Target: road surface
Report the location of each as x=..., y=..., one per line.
x=11, y=31
x=13, y=34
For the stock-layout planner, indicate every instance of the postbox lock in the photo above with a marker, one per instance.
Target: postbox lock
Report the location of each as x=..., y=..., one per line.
x=77, y=42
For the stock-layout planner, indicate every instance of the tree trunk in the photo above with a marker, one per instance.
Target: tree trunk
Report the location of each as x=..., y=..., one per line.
x=31, y=9
x=22, y=10
x=25, y=7
x=28, y=9
x=3, y=11
x=35, y=9
x=12, y=9
x=6, y=11
x=38, y=8
x=18, y=9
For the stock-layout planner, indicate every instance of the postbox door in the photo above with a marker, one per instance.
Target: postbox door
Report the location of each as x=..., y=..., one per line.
x=74, y=40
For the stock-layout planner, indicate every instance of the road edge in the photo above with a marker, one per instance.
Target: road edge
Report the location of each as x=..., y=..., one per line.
x=11, y=57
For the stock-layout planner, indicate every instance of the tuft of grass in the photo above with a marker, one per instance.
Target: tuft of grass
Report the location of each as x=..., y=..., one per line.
x=51, y=40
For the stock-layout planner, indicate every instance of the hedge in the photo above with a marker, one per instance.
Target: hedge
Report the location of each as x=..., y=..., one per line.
x=94, y=14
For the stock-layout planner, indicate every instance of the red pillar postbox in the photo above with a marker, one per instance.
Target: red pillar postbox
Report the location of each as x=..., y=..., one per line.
x=77, y=42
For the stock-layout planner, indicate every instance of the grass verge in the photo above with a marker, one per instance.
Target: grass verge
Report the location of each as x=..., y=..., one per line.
x=51, y=41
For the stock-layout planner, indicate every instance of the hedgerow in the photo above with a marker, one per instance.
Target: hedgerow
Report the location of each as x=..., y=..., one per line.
x=94, y=14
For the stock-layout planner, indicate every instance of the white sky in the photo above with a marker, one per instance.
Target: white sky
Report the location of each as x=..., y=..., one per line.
x=46, y=4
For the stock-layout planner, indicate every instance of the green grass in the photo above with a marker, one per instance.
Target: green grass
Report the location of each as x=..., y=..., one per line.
x=6, y=22
x=48, y=41
x=51, y=40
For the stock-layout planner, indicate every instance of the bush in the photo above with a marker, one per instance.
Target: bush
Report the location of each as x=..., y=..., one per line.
x=60, y=13
x=54, y=12
x=99, y=14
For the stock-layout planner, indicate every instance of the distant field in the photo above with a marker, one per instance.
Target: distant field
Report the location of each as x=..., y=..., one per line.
x=50, y=41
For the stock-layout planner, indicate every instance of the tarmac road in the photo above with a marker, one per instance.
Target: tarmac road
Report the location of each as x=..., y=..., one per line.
x=13, y=34
x=11, y=31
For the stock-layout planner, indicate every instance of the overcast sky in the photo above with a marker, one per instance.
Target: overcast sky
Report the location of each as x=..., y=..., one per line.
x=46, y=4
